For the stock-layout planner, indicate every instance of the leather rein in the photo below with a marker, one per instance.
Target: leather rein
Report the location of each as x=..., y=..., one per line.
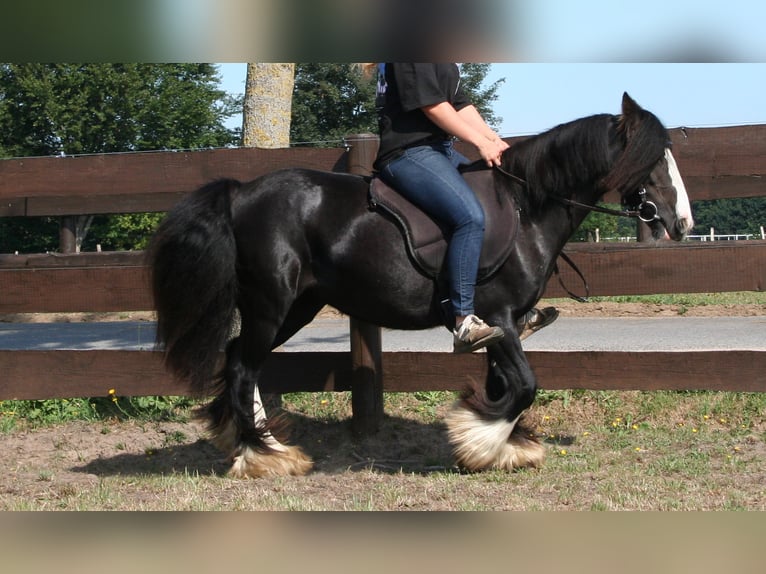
x=646, y=211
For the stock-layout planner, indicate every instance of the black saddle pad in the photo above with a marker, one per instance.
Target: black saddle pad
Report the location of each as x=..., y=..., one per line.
x=426, y=241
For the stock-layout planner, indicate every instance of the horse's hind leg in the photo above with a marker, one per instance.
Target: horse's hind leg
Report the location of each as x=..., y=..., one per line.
x=238, y=423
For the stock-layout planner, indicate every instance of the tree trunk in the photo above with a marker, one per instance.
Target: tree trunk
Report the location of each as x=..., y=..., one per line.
x=266, y=124
x=268, y=104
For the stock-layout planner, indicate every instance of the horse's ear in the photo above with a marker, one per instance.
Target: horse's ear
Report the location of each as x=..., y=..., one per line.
x=631, y=112
x=629, y=106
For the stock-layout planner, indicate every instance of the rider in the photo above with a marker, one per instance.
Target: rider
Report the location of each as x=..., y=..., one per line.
x=424, y=108
x=421, y=109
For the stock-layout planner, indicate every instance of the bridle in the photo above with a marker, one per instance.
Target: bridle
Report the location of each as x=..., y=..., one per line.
x=646, y=210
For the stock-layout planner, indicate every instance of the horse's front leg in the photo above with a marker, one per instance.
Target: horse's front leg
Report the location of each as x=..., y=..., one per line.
x=483, y=426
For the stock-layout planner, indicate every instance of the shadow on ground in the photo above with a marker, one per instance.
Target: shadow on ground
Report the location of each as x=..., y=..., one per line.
x=401, y=445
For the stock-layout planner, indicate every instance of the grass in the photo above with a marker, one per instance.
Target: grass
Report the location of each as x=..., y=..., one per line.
x=40, y=413
x=607, y=450
x=686, y=299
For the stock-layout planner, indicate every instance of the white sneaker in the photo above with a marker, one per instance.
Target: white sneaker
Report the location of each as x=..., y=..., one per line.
x=474, y=334
x=534, y=320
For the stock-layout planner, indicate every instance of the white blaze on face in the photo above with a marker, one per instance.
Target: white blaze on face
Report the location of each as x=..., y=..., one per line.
x=683, y=207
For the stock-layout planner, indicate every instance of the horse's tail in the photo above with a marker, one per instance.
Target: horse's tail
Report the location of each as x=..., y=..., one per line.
x=192, y=258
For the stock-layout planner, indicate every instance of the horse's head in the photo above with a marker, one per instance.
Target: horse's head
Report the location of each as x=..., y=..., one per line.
x=662, y=202
x=656, y=190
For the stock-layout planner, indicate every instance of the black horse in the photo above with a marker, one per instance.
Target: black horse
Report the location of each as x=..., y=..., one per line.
x=281, y=247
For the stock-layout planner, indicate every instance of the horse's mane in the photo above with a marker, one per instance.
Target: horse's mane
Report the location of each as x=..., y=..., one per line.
x=605, y=151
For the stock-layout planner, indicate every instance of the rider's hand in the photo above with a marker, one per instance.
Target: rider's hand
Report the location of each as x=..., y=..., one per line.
x=491, y=151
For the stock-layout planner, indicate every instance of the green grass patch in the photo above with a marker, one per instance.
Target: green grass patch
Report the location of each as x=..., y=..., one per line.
x=685, y=299
x=606, y=450
x=39, y=413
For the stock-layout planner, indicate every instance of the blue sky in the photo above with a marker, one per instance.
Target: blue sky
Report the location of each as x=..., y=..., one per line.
x=649, y=30
x=535, y=97
x=538, y=96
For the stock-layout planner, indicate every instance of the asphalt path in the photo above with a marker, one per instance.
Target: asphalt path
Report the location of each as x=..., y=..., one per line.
x=566, y=334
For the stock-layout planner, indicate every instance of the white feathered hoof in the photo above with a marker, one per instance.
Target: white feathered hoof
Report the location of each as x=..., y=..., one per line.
x=482, y=444
x=247, y=461
x=283, y=461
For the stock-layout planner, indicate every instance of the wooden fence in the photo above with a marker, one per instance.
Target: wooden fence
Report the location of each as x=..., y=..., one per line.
x=715, y=163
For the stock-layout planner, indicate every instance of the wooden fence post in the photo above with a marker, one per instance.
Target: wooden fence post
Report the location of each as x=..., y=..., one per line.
x=365, y=339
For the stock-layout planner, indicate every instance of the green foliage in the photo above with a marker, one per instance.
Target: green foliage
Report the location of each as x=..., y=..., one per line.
x=54, y=109
x=730, y=216
x=473, y=77
x=36, y=413
x=608, y=226
x=331, y=101
x=28, y=234
x=122, y=232
x=50, y=109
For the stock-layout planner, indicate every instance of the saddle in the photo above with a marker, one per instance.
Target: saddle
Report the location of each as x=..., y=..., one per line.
x=426, y=241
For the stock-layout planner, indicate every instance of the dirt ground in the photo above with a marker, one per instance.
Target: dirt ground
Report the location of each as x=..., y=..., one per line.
x=104, y=465
x=566, y=308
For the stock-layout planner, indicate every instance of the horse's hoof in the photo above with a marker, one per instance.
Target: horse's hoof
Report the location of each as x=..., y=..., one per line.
x=482, y=444
x=287, y=461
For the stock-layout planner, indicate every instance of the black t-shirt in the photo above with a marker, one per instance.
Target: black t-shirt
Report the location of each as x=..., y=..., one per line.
x=410, y=87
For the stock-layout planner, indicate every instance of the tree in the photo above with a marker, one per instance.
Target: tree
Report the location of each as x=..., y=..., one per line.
x=473, y=77
x=606, y=225
x=268, y=100
x=54, y=109
x=730, y=216
x=266, y=118
x=331, y=101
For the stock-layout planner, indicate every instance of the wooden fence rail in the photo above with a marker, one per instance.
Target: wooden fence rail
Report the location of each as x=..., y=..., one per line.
x=91, y=373
x=715, y=163
x=103, y=282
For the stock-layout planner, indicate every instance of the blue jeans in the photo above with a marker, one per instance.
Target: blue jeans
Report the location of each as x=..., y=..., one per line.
x=427, y=176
